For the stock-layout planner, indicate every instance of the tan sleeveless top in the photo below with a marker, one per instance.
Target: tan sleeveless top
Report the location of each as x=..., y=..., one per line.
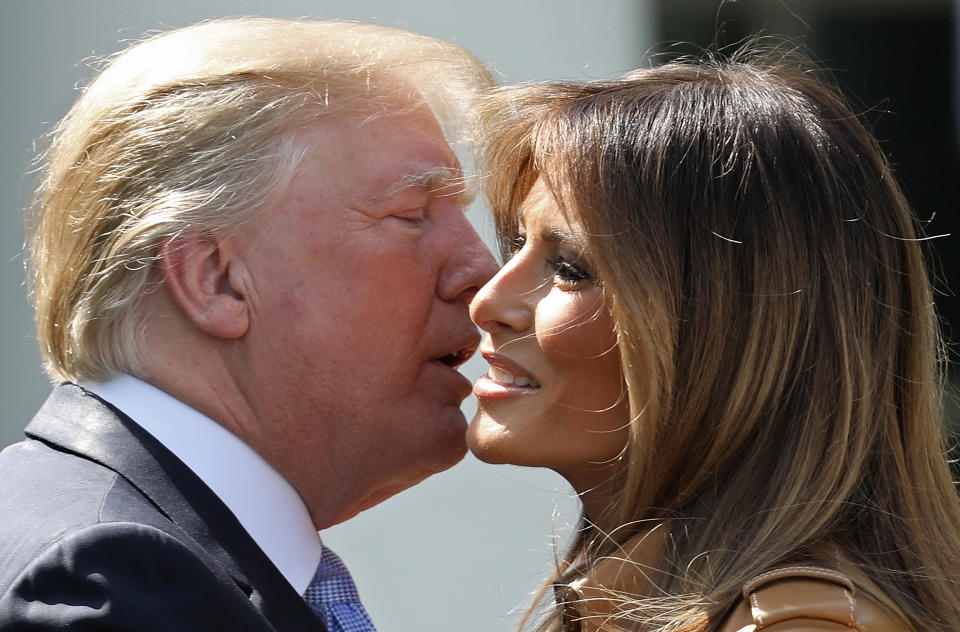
x=788, y=599
x=809, y=599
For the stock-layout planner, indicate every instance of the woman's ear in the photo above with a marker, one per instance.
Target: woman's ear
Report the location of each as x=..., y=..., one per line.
x=205, y=276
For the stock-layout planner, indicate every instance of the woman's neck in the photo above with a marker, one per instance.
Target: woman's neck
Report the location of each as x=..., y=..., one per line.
x=597, y=488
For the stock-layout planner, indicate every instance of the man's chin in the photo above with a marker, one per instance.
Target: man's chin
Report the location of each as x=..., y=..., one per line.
x=452, y=447
x=456, y=455
x=443, y=457
x=385, y=493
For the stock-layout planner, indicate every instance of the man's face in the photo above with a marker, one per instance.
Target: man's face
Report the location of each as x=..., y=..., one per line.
x=361, y=278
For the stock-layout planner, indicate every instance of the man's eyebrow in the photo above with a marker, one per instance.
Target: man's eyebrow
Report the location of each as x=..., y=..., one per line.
x=441, y=181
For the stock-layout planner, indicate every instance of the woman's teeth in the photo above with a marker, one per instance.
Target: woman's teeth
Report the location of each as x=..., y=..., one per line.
x=509, y=379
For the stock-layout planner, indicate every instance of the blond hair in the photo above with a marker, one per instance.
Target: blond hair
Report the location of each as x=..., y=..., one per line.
x=192, y=129
x=776, y=330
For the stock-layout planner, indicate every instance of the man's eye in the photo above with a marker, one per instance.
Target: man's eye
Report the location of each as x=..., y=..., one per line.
x=413, y=216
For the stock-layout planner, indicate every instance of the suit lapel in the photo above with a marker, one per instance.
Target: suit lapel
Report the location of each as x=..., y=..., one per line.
x=79, y=422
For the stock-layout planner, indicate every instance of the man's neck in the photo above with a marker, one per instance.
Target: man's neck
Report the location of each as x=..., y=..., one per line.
x=266, y=504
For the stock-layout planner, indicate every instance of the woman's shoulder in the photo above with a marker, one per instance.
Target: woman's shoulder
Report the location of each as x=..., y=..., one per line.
x=809, y=599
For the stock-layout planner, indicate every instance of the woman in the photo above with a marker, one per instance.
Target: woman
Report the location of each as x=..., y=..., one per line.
x=715, y=322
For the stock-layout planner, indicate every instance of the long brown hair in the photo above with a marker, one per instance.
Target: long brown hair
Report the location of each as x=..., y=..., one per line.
x=775, y=321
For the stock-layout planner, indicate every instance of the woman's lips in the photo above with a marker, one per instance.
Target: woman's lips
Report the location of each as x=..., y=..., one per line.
x=505, y=378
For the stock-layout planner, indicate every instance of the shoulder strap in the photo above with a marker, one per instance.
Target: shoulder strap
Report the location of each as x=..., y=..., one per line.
x=815, y=572
x=807, y=592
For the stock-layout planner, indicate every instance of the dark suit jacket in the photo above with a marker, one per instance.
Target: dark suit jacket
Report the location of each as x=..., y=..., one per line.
x=102, y=528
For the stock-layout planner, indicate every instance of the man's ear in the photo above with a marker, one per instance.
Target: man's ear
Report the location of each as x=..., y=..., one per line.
x=206, y=279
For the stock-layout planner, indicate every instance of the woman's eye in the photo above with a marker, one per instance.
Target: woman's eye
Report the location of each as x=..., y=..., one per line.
x=568, y=273
x=513, y=246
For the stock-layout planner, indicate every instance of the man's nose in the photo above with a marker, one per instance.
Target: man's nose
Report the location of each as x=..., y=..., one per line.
x=469, y=264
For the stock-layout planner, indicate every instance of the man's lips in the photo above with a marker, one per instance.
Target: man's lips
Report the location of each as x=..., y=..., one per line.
x=462, y=352
x=448, y=378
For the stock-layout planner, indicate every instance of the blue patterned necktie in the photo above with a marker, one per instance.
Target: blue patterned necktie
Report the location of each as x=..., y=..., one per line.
x=333, y=596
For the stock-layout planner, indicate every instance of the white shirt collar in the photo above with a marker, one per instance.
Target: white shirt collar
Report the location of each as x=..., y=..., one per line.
x=267, y=506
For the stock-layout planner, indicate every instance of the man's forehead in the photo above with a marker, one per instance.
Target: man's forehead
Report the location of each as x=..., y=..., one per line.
x=383, y=156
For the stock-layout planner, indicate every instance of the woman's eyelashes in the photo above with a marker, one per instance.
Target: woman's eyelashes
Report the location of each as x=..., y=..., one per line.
x=510, y=247
x=568, y=272
x=517, y=244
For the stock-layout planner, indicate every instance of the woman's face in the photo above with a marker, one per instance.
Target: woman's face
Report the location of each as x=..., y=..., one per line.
x=554, y=395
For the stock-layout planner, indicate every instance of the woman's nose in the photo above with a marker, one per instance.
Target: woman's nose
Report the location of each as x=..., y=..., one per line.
x=505, y=300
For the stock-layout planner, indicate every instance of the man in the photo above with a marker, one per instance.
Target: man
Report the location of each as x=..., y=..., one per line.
x=251, y=273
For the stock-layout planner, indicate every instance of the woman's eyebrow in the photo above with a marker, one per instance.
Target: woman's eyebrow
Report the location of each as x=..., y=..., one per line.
x=564, y=238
